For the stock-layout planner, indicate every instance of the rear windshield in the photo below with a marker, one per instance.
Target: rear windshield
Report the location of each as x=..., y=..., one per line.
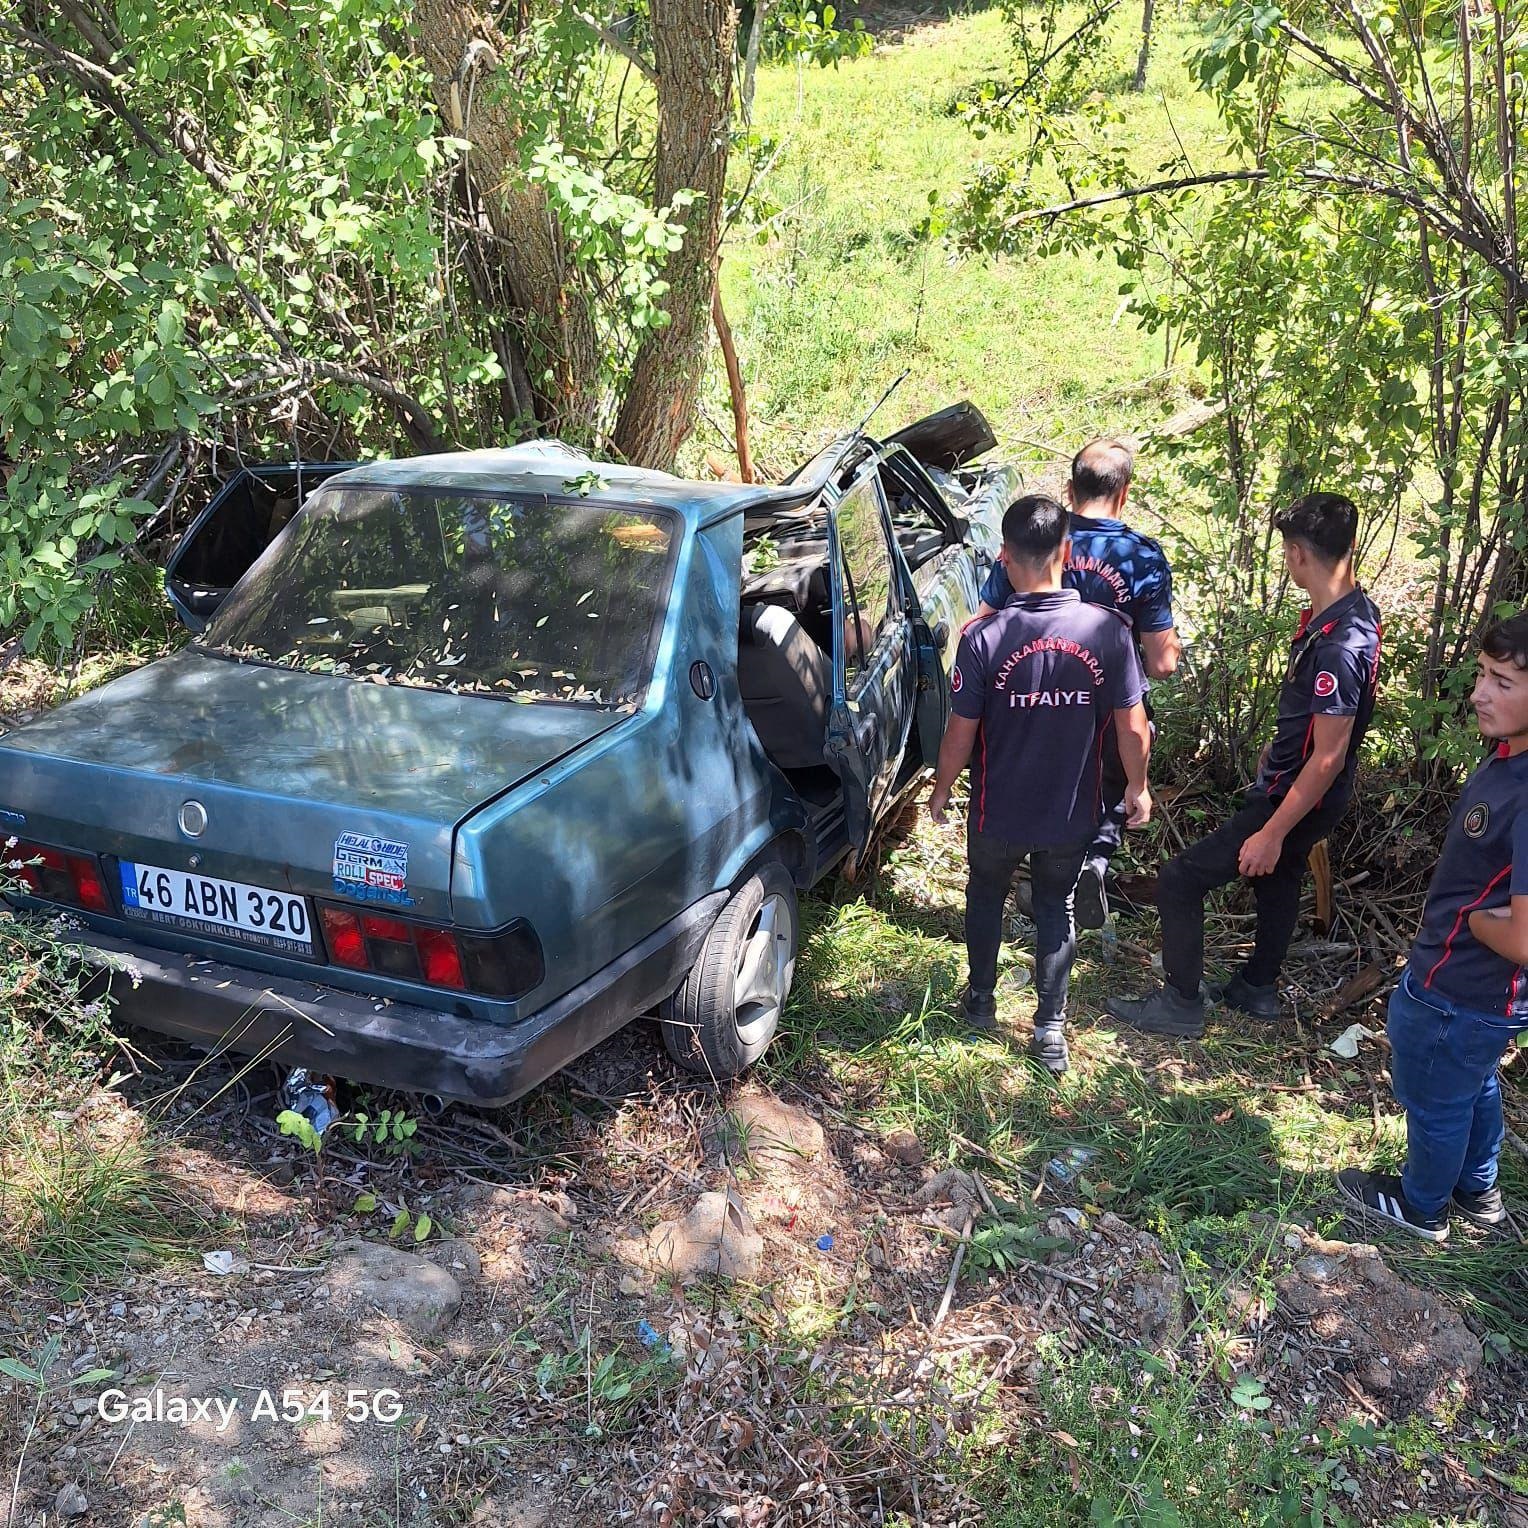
x=517, y=598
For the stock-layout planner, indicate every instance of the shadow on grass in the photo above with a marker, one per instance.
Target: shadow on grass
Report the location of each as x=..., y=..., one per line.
x=1245, y=1121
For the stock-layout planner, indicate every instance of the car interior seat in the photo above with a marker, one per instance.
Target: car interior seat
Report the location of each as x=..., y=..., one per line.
x=787, y=683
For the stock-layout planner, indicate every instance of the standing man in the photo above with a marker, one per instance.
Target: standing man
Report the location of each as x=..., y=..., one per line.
x=1462, y=999
x=1304, y=779
x=1032, y=691
x=1115, y=566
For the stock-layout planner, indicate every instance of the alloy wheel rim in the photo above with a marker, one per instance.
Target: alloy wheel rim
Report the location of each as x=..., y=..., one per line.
x=762, y=976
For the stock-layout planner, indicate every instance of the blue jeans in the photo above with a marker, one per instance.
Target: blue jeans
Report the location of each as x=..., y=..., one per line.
x=1443, y=1072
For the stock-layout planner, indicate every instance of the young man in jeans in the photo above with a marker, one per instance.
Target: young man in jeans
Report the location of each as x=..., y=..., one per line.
x=1033, y=689
x=1304, y=780
x=1463, y=998
x=1110, y=564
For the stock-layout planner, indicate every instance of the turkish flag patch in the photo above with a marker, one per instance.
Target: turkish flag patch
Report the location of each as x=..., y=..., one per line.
x=1326, y=683
x=957, y=679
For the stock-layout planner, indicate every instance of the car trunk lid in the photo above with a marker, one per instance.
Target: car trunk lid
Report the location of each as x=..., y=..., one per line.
x=306, y=780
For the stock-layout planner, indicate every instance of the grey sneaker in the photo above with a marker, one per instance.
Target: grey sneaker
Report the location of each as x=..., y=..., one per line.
x=1240, y=994
x=1163, y=1012
x=1048, y=1047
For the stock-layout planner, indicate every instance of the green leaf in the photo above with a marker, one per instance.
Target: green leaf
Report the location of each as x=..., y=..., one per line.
x=422, y=1227
x=364, y=1204
x=19, y=1372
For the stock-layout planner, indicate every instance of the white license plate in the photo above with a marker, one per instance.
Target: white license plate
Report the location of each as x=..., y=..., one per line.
x=203, y=904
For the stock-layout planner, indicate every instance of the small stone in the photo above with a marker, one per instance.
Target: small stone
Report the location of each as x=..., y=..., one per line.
x=119, y=1308
x=761, y=1125
x=717, y=1236
x=70, y=1501
x=409, y=1288
x=903, y=1146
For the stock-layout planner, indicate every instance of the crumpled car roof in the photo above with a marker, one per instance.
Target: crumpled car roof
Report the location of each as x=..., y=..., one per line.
x=560, y=471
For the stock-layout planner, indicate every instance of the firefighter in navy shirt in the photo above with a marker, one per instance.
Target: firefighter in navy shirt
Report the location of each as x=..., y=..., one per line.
x=1304, y=780
x=1113, y=565
x=1033, y=689
x=1463, y=998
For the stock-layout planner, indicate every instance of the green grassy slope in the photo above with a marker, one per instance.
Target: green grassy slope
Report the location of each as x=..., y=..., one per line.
x=840, y=295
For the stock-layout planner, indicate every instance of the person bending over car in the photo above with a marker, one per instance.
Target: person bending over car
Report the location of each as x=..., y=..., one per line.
x=1032, y=692
x=1113, y=565
x=1304, y=780
x=1462, y=999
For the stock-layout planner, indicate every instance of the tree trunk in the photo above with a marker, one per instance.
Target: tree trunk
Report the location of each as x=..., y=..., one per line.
x=693, y=42
x=1144, y=56
x=462, y=50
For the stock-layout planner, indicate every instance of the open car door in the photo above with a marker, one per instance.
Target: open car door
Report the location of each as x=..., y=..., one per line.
x=874, y=665
x=246, y=514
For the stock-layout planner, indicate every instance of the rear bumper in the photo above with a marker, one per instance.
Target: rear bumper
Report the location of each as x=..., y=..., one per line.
x=392, y=1045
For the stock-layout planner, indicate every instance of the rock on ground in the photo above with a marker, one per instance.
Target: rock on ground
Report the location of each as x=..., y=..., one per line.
x=717, y=1236
x=1408, y=1348
x=403, y=1285
x=759, y=1125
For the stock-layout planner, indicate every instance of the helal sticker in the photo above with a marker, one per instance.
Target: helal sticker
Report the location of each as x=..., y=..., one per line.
x=371, y=869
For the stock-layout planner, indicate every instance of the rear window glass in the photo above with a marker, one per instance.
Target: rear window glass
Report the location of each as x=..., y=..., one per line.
x=517, y=598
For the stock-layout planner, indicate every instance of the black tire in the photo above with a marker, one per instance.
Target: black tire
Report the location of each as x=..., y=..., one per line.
x=705, y=1029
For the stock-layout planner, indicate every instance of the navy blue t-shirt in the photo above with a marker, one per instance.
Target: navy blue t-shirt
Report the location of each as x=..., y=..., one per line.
x=1110, y=565
x=1044, y=677
x=1333, y=671
x=1484, y=864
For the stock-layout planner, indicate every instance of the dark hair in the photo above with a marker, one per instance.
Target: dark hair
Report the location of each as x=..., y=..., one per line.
x=1326, y=523
x=1507, y=640
x=1034, y=527
x=1101, y=470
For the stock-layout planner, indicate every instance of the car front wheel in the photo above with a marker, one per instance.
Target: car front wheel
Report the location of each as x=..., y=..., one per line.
x=723, y=1017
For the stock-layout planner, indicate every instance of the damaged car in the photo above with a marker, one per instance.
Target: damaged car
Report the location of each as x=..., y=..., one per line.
x=473, y=758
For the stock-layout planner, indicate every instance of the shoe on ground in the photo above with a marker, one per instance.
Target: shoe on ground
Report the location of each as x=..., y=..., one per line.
x=1163, y=1012
x=979, y=1009
x=1378, y=1196
x=1484, y=1209
x=1048, y=1047
x=1090, y=901
x=1240, y=994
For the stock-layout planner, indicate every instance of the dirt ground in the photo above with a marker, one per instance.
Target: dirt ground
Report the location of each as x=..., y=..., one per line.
x=554, y=1350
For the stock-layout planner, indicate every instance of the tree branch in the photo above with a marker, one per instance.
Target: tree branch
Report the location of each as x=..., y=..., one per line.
x=616, y=45
x=419, y=420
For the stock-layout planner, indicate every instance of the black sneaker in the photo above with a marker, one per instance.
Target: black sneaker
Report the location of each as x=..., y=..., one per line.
x=1240, y=994
x=979, y=1009
x=1090, y=902
x=1163, y=1012
x=1048, y=1047
x=1484, y=1209
x=1379, y=1196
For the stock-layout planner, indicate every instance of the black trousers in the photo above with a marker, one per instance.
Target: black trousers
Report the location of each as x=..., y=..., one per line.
x=1185, y=881
x=1110, y=832
x=1053, y=877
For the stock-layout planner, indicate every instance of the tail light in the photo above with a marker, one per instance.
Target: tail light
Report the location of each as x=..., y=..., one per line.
x=58, y=875
x=506, y=964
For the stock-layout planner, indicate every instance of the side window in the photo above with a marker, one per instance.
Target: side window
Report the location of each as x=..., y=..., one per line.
x=870, y=592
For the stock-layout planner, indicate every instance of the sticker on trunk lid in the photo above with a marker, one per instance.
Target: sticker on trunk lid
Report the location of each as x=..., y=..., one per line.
x=371, y=869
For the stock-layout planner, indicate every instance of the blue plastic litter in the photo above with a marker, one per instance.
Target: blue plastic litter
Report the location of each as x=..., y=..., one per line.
x=825, y=1243
x=648, y=1333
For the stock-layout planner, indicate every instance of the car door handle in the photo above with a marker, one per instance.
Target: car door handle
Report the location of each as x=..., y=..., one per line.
x=941, y=635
